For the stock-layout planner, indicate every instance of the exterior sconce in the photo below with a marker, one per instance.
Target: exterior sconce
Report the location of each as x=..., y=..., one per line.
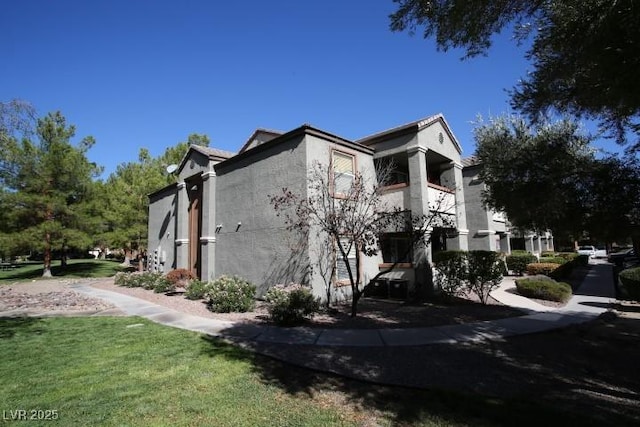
x=218, y=228
x=239, y=225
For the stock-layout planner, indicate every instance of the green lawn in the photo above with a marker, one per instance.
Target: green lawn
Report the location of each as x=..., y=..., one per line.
x=130, y=371
x=75, y=269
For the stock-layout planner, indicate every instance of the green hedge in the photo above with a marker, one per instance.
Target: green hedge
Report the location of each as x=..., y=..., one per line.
x=554, y=260
x=545, y=268
x=517, y=261
x=569, y=256
x=543, y=289
x=631, y=281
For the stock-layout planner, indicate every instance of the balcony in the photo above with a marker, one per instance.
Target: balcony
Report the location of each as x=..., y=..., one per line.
x=441, y=199
x=397, y=196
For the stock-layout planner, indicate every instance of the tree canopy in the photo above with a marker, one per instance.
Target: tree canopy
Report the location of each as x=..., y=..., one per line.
x=546, y=176
x=585, y=53
x=45, y=186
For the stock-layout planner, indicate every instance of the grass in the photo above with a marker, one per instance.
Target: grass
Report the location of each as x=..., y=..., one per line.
x=129, y=371
x=77, y=268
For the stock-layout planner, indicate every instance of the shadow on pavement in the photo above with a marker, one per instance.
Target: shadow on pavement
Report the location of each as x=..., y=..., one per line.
x=580, y=374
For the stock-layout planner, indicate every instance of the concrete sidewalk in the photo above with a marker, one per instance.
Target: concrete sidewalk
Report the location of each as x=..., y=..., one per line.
x=581, y=308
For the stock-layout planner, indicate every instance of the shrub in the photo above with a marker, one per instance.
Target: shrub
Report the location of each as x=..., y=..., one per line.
x=451, y=267
x=582, y=259
x=164, y=285
x=143, y=279
x=517, y=261
x=291, y=305
x=631, y=281
x=196, y=290
x=563, y=271
x=484, y=274
x=554, y=260
x=541, y=268
x=230, y=294
x=569, y=256
x=548, y=254
x=180, y=277
x=549, y=290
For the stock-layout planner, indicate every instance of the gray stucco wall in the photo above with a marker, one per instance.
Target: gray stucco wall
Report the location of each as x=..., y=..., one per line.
x=260, y=249
x=162, y=227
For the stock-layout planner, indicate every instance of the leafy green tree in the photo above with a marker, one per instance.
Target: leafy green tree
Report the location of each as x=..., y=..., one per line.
x=535, y=174
x=45, y=186
x=546, y=176
x=584, y=53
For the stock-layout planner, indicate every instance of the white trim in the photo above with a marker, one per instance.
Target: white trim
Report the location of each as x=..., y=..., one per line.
x=208, y=174
x=416, y=148
x=207, y=239
x=181, y=185
x=182, y=241
x=486, y=232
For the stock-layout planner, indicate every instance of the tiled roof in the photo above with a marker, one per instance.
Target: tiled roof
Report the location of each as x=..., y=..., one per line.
x=213, y=152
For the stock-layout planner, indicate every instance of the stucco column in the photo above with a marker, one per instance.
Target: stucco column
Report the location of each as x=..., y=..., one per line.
x=182, y=227
x=461, y=212
x=208, y=238
x=419, y=202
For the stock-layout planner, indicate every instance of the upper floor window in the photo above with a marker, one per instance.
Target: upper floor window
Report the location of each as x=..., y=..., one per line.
x=343, y=172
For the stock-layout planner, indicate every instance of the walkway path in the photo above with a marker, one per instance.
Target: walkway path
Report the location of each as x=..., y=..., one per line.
x=584, y=306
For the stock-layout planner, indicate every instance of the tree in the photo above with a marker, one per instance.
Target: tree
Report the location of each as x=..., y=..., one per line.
x=354, y=222
x=125, y=196
x=546, y=176
x=535, y=174
x=584, y=53
x=45, y=185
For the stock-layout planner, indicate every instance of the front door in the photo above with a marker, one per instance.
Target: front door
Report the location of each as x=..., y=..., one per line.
x=195, y=222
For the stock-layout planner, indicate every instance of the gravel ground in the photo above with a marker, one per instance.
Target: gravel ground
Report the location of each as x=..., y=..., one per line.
x=49, y=297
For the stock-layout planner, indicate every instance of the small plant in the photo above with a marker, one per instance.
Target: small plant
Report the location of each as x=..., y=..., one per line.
x=517, y=261
x=451, y=271
x=164, y=285
x=485, y=273
x=631, y=281
x=230, y=294
x=291, y=305
x=180, y=277
x=196, y=290
x=545, y=268
x=546, y=289
x=548, y=254
x=569, y=256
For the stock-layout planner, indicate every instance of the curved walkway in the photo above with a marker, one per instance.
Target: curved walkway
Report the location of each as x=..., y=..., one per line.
x=594, y=297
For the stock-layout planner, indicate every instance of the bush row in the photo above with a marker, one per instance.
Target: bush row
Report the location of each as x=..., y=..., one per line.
x=288, y=305
x=476, y=271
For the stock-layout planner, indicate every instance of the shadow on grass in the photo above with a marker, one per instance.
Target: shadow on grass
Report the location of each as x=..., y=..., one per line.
x=579, y=374
x=10, y=326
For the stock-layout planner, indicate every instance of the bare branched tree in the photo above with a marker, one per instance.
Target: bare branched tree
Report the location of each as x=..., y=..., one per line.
x=353, y=220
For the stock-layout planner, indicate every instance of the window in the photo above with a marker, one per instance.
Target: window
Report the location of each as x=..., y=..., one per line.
x=396, y=247
x=342, y=274
x=343, y=172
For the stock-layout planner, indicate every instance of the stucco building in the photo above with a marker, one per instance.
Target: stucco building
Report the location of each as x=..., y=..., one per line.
x=217, y=219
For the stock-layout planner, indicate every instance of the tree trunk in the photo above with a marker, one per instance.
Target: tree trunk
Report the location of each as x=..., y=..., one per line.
x=46, y=270
x=63, y=258
x=354, y=302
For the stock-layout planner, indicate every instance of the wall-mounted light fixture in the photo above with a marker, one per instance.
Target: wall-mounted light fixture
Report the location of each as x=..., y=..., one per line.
x=238, y=226
x=218, y=228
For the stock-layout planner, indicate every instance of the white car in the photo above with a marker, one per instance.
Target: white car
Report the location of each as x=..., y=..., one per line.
x=601, y=252
x=590, y=251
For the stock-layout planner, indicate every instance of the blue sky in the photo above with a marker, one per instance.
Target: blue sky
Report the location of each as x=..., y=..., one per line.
x=143, y=73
